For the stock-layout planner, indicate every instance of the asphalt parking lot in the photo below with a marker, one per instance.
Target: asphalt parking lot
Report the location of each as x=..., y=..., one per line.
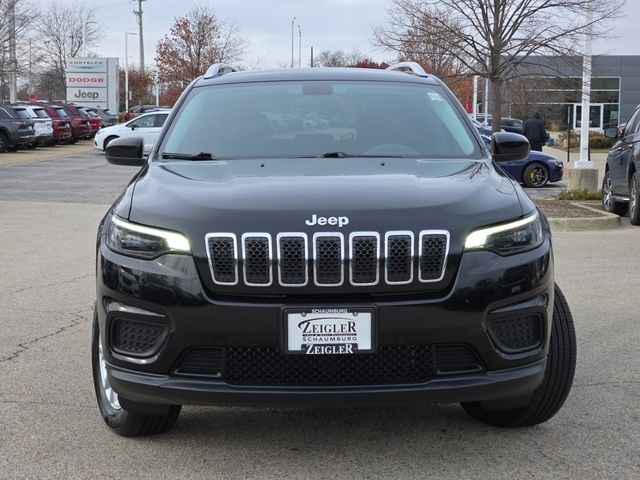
x=50, y=426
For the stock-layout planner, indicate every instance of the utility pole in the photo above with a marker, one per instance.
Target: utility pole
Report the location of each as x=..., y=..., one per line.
x=311, y=57
x=138, y=14
x=299, y=46
x=13, y=67
x=293, y=21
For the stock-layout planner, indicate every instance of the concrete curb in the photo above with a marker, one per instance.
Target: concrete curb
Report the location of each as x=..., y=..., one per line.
x=607, y=220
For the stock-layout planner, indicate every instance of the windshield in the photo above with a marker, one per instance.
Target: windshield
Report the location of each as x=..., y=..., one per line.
x=316, y=118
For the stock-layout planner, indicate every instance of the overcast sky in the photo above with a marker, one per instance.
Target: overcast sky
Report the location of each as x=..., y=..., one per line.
x=266, y=24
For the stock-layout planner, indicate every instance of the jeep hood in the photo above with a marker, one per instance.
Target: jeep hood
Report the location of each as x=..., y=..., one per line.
x=280, y=195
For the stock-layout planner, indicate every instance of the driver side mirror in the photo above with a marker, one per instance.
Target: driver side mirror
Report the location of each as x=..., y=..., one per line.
x=132, y=127
x=509, y=147
x=126, y=151
x=612, y=132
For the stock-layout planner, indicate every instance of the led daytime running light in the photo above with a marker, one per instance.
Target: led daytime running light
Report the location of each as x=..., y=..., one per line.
x=478, y=239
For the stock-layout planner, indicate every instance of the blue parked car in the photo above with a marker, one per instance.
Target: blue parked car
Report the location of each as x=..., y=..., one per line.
x=536, y=171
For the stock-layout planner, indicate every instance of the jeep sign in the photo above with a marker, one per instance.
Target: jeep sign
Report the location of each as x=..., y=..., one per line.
x=93, y=82
x=79, y=95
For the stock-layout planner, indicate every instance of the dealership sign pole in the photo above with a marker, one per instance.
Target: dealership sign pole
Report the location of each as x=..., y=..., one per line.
x=93, y=82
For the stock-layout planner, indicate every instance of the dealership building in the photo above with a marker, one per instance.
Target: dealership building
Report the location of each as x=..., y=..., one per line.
x=553, y=87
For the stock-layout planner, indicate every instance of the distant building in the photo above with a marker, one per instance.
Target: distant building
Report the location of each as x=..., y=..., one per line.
x=553, y=87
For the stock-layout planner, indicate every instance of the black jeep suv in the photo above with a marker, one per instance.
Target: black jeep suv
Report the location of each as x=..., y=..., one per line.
x=325, y=237
x=621, y=183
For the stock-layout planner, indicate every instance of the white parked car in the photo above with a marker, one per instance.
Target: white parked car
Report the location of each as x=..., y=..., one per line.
x=42, y=124
x=147, y=126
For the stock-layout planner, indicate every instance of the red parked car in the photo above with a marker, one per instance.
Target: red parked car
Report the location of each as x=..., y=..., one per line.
x=80, y=127
x=94, y=121
x=61, y=122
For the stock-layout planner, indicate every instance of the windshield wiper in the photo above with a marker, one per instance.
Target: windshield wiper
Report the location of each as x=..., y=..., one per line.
x=350, y=155
x=337, y=155
x=188, y=156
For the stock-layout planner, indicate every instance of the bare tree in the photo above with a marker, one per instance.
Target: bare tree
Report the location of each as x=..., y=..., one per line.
x=60, y=34
x=491, y=38
x=25, y=15
x=337, y=58
x=194, y=42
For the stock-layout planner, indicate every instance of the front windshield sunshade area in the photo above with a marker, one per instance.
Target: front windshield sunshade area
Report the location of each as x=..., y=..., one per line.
x=316, y=118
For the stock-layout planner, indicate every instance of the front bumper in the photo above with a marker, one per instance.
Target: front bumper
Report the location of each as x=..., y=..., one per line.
x=556, y=172
x=486, y=287
x=172, y=390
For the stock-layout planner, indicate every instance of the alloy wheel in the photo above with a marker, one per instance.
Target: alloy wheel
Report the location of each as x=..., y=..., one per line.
x=538, y=176
x=109, y=393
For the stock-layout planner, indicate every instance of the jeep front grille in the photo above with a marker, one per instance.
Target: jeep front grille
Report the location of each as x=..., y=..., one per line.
x=327, y=259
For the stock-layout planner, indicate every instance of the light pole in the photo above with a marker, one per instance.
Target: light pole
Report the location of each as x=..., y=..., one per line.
x=299, y=46
x=293, y=21
x=126, y=69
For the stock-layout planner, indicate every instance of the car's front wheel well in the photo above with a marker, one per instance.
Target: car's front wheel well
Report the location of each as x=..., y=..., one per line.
x=632, y=171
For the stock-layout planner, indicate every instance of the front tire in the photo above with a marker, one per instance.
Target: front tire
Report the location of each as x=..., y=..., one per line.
x=119, y=419
x=535, y=175
x=549, y=397
x=634, y=199
x=608, y=202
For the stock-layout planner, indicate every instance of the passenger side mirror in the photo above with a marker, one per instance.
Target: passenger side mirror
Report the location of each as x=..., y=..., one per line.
x=611, y=132
x=509, y=147
x=126, y=151
x=132, y=127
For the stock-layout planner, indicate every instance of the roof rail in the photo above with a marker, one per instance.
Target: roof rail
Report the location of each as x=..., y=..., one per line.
x=408, y=67
x=218, y=69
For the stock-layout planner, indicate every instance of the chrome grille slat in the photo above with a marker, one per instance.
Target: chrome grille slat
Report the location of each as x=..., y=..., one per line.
x=257, y=258
x=364, y=257
x=222, y=253
x=328, y=259
x=398, y=256
x=433, y=249
x=293, y=259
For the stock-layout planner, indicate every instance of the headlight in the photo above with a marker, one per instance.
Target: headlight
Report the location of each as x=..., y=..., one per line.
x=508, y=238
x=143, y=242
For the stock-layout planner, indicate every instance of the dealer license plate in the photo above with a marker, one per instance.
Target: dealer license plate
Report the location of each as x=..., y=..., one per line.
x=329, y=331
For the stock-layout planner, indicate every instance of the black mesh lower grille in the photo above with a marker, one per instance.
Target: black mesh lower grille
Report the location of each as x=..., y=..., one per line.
x=517, y=334
x=222, y=252
x=434, y=248
x=364, y=260
x=399, y=258
x=328, y=260
x=456, y=358
x=293, y=262
x=133, y=337
x=388, y=365
x=257, y=261
x=202, y=361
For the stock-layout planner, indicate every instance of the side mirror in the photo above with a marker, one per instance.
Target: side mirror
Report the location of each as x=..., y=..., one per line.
x=126, y=151
x=611, y=132
x=509, y=147
x=132, y=127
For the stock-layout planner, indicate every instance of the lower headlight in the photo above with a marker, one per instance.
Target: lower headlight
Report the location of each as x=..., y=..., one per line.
x=140, y=241
x=508, y=238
